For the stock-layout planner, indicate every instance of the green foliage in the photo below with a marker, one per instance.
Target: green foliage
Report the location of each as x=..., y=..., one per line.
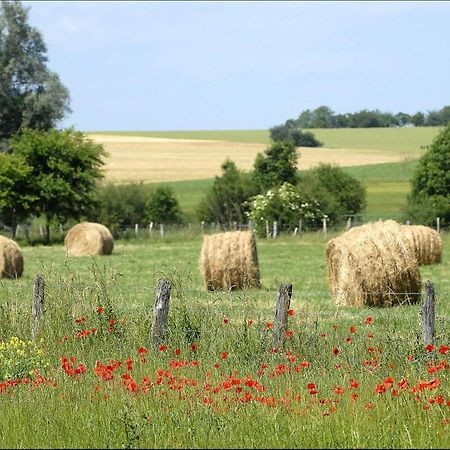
x=290, y=131
x=339, y=193
x=16, y=190
x=120, y=206
x=225, y=201
x=162, y=207
x=430, y=195
x=286, y=206
x=277, y=165
x=65, y=169
x=31, y=96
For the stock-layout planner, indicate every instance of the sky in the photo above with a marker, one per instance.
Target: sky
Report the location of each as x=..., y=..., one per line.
x=161, y=66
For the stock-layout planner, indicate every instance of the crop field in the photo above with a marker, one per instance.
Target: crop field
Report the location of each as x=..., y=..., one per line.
x=142, y=157
x=94, y=379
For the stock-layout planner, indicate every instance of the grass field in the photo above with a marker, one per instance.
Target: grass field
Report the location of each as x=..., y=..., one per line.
x=339, y=376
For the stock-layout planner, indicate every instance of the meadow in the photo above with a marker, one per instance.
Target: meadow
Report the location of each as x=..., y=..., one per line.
x=346, y=378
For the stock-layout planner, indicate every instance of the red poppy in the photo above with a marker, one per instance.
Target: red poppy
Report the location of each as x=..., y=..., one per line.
x=142, y=350
x=339, y=390
x=335, y=351
x=288, y=333
x=193, y=347
x=250, y=322
x=81, y=320
x=444, y=349
x=224, y=355
x=311, y=386
x=291, y=312
x=429, y=348
x=269, y=325
x=352, y=329
x=226, y=321
x=162, y=348
x=368, y=320
x=100, y=309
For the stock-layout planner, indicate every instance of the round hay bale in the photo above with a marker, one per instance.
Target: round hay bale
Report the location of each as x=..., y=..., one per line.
x=373, y=265
x=426, y=242
x=11, y=258
x=88, y=239
x=230, y=261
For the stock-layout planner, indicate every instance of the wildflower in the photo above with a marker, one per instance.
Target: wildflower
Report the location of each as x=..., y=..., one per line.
x=352, y=329
x=311, y=386
x=269, y=325
x=100, y=309
x=81, y=320
x=288, y=333
x=368, y=320
x=335, y=351
x=224, y=355
x=193, y=347
x=291, y=312
x=444, y=349
x=162, y=348
x=226, y=321
x=339, y=390
x=429, y=348
x=177, y=351
x=142, y=350
x=250, y=323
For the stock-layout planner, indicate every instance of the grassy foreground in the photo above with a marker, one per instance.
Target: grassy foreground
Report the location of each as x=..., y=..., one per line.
x=346, y=378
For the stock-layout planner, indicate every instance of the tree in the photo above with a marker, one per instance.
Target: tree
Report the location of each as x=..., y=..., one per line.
x=31, y=96
x=65, y=169
x=226, y=201
x=430, y=195
x=323, y=117
x=16, y=190
x=162, y=206
x=418, y=119
x=277, y=165
x=338, y=193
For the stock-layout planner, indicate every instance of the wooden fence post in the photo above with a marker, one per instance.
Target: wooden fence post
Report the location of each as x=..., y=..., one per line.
x=324, y=225
x=267, y=229
x=161, y=229
x=160, y=311
x=283, y=302
x=349, y=223
x=37, y=308
x=136, y=229
x=275, y=229
x=428, y=314
x=438, y=225
x=300, y=224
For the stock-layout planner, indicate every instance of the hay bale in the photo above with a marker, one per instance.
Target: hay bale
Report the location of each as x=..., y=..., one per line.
x=426, y=242
x=88, y=239
x=230, y=261
x=11, y=258
x=373, y=265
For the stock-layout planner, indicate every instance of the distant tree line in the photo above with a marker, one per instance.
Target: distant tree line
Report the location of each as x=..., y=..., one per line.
x=325, y=117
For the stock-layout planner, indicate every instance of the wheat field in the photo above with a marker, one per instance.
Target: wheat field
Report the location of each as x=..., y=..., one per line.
x=147, y=159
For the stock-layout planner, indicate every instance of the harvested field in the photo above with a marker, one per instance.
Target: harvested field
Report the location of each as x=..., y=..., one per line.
x=135, y=158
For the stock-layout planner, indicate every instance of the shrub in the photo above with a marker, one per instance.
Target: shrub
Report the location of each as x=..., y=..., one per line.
x=430, y=195
x=286, y=206
x=339, y=194
x=162, y=206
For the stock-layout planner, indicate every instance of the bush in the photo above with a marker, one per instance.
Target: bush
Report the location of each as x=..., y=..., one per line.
x=339, y=194
x=226, y=201
x=290, y=131
x=286, y=206
x=162, y=207
x=430, y=195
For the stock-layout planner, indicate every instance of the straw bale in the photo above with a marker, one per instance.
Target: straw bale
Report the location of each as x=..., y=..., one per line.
x=373, y=265
x=88, y=239
x=426, y=242
x=230, y=261
x=11, y=258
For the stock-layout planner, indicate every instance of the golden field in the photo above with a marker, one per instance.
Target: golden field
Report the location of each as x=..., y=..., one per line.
x=147, y=159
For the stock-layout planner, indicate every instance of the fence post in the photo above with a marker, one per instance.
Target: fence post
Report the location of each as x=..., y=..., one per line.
x=37, y=308
x=150, y=228
x=428, y=314
x=324, y=225
x=295, y=231
x=275, y=229
x=300, y=224
x=203, y=225
x=267, y=229
x=136, y=229
x=161, y=229
x=349, y=223
x=160, y=311
x=438, y=227
x=283, y=302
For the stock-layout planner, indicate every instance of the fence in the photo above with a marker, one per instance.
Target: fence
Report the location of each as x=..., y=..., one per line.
x=280, y=321
x=153, y=230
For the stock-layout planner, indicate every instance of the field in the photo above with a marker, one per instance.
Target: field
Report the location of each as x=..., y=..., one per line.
x=218, y=382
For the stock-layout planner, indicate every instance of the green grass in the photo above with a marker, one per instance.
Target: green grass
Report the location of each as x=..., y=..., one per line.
x=174, y=412
x=408, y=141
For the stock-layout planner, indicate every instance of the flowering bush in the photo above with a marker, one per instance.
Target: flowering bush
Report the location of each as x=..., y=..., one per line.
x=284, y=205
x=19, y=359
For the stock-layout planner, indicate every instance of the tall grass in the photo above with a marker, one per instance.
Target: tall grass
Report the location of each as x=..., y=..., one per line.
x=218, y=382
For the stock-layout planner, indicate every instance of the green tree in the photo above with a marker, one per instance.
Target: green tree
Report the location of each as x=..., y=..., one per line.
x=278, y=164
x=323, y=117
x=226, y=201
x=338, y=193
x=430, y=195
x=163, y=207
x=31, y=96
x=65, y=169
x=16, y=190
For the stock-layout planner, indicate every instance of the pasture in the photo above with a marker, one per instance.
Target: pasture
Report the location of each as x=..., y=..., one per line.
x=217, y=382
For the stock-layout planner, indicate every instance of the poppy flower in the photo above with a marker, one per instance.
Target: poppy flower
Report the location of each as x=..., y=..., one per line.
x=224, y=355
x=291, y=312
x=335, y=351
x=100, y=309
x=368, y=320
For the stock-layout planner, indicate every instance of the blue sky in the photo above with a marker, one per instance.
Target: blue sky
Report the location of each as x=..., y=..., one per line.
x=242, y=65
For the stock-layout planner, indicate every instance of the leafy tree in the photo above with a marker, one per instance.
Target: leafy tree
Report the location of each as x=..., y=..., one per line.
x=323, y=117
x=120, y=206
x=418, y=119
x=31, y=96
x=16, y=190
x=65, y=168
x=163, y=207
x=304, y=139
x=430, y=195
x=277, y=165
x=338, y=193
x=226, y=201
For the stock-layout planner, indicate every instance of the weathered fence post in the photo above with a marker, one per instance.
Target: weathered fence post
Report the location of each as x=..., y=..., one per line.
x=324, y=225
x=136, y=229
x=37, y=308
x=349, y=223
x=428, y=314
x=275, y=229
x=300, y=224
x=438, y=225
x=295, y=231
x=283, y=302
x=161, y=229
x=160, y=311
x=267, y=229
